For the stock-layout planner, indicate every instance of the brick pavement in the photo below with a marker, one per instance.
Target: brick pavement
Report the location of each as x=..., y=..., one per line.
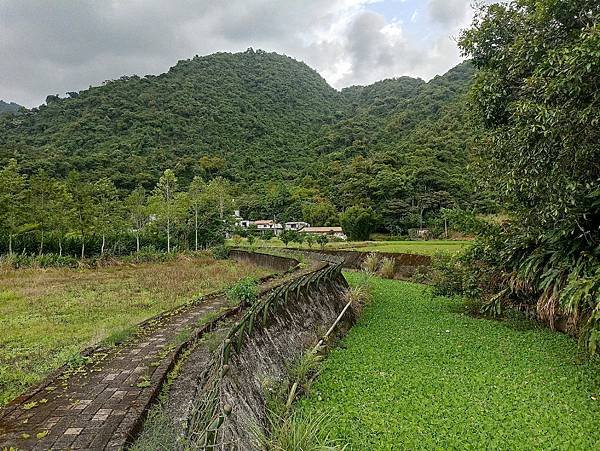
x=102, y=404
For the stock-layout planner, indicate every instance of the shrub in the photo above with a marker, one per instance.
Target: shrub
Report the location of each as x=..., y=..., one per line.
x=39, y=261
x=243, y=292
x=359, y=294
x=297, y=432
x=220, y=252
x=371, y=263
x=386, y=268
x=322, y=241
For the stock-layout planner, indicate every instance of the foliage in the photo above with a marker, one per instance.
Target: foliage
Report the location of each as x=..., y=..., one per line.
x=244, y=292
x=358, y=222
x=371, y=263
x=536, y=97
x=288, y=236
x=298, y=432
x=220, y=252
x=413, y=361
x=322, y=241
x=289, y=145
x=386, y=268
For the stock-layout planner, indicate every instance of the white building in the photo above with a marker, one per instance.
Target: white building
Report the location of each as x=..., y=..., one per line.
x=267, y=225
x=297, y=226
x=330, y=231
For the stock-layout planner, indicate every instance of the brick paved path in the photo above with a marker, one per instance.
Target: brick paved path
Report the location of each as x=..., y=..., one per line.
x=101, y=404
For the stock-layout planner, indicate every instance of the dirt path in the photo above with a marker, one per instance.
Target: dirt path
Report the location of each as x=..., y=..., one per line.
x=101, y=404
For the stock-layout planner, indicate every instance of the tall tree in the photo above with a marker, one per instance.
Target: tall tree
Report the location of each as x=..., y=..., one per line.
x=137, y=208
x=218, y=192
x=62, y=212
x=41, y=191
x=197, y=198
x=108, y=216
x=81, y=194
x=164, y=202
x=12, y=195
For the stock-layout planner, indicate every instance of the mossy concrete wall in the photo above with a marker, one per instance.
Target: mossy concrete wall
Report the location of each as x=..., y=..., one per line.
x=265, y=358
x=262, y=345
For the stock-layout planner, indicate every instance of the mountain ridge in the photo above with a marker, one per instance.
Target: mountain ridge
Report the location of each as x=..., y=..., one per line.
x=268, y=123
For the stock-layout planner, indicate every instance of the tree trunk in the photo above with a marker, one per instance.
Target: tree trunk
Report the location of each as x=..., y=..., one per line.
x=168, y=236
x=137, y=242
x=446, y=227
x=196, y=225
x=42, y=243
x=82, y=248
x=103, y=243
x=10, y=244
x=60, y=247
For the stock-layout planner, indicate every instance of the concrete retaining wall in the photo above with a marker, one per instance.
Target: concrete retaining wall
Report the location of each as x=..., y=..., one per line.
x=405, y=266
x=275, y=262
x=230, y=402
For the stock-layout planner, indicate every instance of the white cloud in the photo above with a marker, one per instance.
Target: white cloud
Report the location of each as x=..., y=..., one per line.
x=59, y=46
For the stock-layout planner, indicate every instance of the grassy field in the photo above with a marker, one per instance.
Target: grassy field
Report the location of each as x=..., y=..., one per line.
x=408, y=247
x=48, y=316
x=417, y=373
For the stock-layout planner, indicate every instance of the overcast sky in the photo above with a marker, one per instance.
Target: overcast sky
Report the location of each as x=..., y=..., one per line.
x=54, y=46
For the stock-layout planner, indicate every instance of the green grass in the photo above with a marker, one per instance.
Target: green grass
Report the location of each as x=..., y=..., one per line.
x=47, y=316
x=430, y=247
x=417, y=373
x=412, y=247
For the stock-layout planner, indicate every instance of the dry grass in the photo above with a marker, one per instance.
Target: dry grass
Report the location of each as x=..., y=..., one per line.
x=49, y=315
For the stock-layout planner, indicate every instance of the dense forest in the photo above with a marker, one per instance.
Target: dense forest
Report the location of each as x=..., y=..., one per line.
x=291, y=146
x=10, y=108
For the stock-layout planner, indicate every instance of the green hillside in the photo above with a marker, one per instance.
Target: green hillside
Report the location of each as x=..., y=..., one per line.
x=293, y=146
x=10, y=107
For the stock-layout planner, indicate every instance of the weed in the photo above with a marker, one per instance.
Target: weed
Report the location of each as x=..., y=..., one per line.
x=371, y=263
x=297, y=432
x=220, y=252
x=243, y=292
x=386, y=268
x=119, y=336
x=183, y=336
x=144, y=382
x=305, y=368
x=76, y=360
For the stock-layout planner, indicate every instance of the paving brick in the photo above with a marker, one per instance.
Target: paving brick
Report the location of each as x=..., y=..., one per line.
x=99, y=407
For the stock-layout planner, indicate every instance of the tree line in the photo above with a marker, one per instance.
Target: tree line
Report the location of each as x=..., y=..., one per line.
x=74, y=216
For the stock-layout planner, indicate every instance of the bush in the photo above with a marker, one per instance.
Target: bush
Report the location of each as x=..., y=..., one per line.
x=220, y=252
x=243, y=292
x=386, y=268
x=371, y=263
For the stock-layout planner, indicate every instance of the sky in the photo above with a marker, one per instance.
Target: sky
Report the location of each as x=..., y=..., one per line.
x=51, y=47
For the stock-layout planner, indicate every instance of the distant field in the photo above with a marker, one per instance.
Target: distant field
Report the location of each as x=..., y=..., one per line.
x=418, y=373
x=48, y=316
x=409, y=247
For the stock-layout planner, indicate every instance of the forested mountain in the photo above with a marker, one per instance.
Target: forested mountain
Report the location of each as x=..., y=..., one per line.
x=11, y=107
x=292, y=145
